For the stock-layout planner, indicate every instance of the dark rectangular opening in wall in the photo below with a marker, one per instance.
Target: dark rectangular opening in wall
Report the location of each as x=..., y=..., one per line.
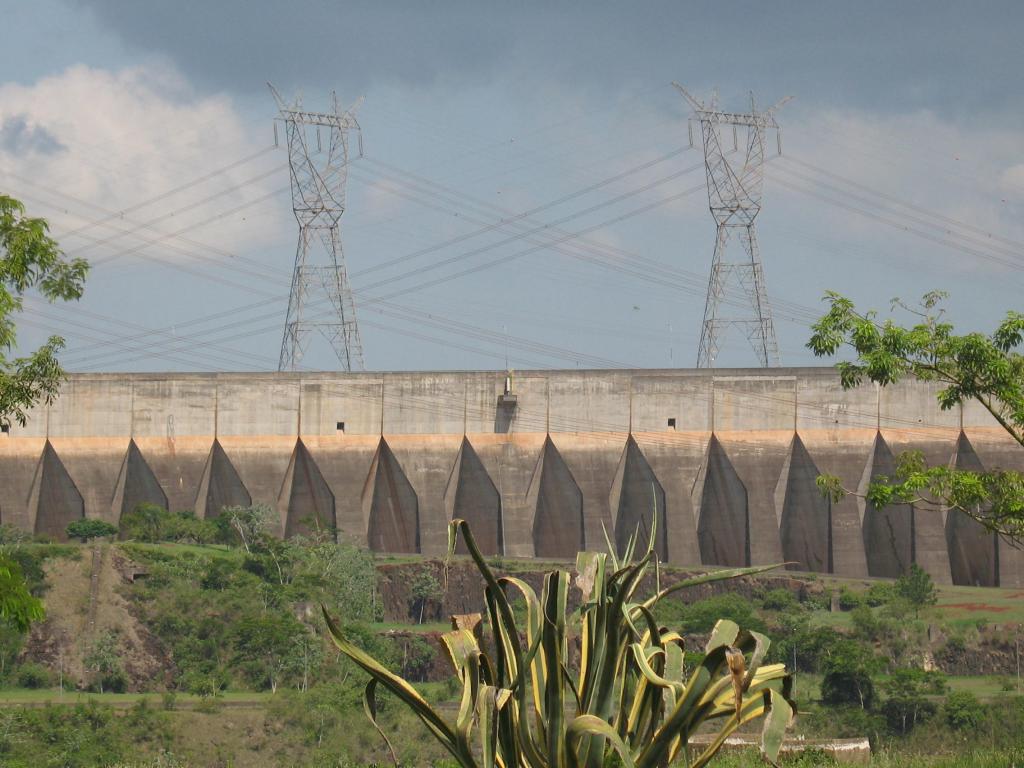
x=340, y=427
x=672, y=423
x=5, y=429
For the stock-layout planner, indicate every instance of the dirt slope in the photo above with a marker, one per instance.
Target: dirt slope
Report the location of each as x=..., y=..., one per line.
x=83, y=603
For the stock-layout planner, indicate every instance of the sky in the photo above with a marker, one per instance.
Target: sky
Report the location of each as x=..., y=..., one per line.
x=527, y=195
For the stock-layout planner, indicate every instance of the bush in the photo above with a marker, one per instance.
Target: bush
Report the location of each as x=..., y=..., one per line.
x=779, y=600
x=963, y=711
x=11, y=535
x=701, y=616
x=849, y=599
x=30, y=675
x=880, y=594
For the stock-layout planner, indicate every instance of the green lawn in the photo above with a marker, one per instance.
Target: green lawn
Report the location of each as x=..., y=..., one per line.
x=984, y=687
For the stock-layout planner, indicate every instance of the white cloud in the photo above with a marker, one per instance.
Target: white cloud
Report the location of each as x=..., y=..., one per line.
x=88, y=140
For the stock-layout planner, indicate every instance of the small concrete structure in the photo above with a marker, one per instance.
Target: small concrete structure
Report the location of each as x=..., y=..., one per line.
x=538, y=461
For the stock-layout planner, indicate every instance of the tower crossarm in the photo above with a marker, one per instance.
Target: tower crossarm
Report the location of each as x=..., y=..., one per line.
x=747, y=119
x=342, y=122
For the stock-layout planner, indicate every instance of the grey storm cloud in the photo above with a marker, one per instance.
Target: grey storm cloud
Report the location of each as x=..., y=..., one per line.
x=18, y=136
x=238, y=44
x=944, y=56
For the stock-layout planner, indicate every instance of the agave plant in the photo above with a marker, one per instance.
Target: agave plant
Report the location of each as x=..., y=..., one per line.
x=524, y=705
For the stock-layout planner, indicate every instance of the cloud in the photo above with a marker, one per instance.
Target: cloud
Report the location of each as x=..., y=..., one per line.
x=917, y=54
x=18, y=136
x=239, y=44
x=896, y=176
x=85, y=142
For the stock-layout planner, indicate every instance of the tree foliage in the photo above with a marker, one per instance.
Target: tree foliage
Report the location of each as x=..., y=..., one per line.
x=907, y=703
x=917, y=588
x=90, y=528
x=30, y=260
x=103, y=660
x=963, y=711
x=987, y=369
x=847, y=674
x=17, y=605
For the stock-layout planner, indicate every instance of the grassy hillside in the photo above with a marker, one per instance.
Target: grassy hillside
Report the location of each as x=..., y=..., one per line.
x=215, y=655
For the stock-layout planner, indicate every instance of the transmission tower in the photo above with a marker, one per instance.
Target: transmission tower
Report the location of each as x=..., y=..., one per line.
x=734, y=194
x=318, y=157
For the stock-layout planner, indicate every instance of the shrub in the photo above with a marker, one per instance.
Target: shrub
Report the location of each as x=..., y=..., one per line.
x=879, y=594
x=849, y=600
x=963, y=711
x=31, y=675
x=779, y=600
x=701, y=616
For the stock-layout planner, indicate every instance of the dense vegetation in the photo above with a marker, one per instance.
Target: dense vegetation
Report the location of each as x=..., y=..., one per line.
x=233, y=615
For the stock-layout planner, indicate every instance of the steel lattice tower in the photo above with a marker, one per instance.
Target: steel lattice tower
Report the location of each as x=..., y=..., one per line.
x=734, y=195
x=318, y=157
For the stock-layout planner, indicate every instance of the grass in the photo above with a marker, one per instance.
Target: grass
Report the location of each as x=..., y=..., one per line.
x=425, y=627
x=993, y=605
x=984, y=687
x=38, y=697
x=173, y=548
x=985, y=758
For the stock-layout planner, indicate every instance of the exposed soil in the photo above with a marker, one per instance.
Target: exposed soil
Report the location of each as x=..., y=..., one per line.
x=82, y=604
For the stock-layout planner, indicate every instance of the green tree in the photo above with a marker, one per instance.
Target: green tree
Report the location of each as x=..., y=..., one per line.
x=424, y=590
x=29, y=260
x=104, y=662
x=144, y=523
x=917, y=588
x=250, y=523
x=266, y=647
x=907, y=701
x=341, y=574
x=963, y=711
x=987, y=369
x=847, y=674
x=17, y=605
x=90, y=528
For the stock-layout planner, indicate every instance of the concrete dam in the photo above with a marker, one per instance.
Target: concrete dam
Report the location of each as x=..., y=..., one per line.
x=537, y=461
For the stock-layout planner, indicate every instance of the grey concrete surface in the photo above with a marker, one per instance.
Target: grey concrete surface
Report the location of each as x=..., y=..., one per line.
x=729, y=457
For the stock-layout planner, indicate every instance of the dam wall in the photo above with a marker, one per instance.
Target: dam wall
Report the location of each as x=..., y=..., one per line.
x=538, y=461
